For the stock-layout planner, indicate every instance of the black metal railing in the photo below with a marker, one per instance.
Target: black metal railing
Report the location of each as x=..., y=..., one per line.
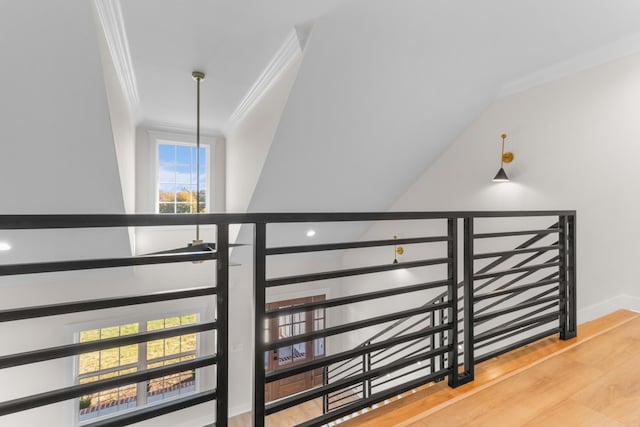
x=509, y=297
x=217, y=252
x=512, y=292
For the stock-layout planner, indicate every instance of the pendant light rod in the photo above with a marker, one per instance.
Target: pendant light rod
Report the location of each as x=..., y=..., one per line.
x=198, y=76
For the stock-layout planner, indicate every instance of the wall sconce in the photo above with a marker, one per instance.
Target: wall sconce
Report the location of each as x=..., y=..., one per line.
x=397, y=250
x=507, y=157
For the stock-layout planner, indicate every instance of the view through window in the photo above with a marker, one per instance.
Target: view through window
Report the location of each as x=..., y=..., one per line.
x=123, y=360
x=178, y=178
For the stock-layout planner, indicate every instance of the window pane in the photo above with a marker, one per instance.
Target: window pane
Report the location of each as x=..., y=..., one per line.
x=188, y=342
x=110, y=358
x=129, y=354
x=89, y=362
x=152, y=325
x=91, y=335
x=188, y=319
x=183, y=208
x=167, y=174
x=167, y=207
x=129, y=329
x=166, y=153
x=184, y=194
x=183, y=155
x=111, y=332
x=155, y=349
x=171, y=322
x=172, y=346
x=183, y=174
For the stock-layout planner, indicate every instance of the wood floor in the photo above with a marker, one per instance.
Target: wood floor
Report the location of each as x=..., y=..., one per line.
x=593, y=380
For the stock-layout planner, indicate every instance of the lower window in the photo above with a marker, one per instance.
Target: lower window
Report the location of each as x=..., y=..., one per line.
x=128, y=359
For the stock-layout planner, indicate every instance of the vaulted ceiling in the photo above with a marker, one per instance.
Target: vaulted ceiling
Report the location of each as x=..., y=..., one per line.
x=383, y=88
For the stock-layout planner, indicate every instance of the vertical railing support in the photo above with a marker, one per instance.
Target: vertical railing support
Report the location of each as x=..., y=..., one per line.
x=325, y=396
x=259, y=301
x=452, y=292
x=568, y=300
x=222, y=334
x=367, y=368
x=468, y=312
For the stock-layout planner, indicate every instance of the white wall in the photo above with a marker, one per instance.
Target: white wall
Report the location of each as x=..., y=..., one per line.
x=575, y=141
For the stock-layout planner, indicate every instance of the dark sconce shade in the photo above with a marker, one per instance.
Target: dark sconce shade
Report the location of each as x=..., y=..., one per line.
x=505, y=157
x=501, y=176
x=397, y=250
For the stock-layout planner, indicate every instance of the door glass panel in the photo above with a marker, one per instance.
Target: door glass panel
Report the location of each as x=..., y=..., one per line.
x=284, y=355
x=299, y=352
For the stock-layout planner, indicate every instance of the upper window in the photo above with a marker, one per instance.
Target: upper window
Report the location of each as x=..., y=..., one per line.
x=178, y=178
x=128, y=359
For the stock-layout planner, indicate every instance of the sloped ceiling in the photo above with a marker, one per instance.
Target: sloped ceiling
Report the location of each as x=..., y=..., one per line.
x=385, y=86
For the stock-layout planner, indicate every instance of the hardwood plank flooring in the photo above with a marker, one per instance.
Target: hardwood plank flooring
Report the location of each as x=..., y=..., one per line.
x=591, y=380
x=615, y=338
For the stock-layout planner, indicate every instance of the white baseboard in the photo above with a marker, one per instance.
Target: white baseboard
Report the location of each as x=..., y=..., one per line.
x=619, y=302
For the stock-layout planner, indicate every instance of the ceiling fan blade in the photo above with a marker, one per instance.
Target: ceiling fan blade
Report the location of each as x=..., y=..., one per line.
x=202, y=247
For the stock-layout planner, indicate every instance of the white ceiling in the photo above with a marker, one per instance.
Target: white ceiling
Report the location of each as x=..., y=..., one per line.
x=230, y=40
x=384, y=85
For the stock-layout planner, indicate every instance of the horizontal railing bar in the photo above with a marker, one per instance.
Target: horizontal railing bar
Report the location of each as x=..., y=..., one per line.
x=482, y=270
x=37, y=400
x=281, y=250
x=99, y=304
x=514, y=290
x=374, y=398
x=90, y=264
x=289, y=280
x=323, y=333
x=357, y=365
x=305, y=396
x=516, y=270
x=516, y=345
x=355, y=298
x=517, y=332
x=388, y=380
x=515, y=233
x=51, y=353
x=386, y=356
x=517, y=307
x=16, y=222
x=505, y=298
x=499, y=331
x=516, y=252
x=156, y=410
x=488, y=267
x=348, y=354
x=348, y=396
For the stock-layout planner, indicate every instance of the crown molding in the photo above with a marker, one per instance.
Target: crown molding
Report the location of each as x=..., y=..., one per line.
x=290, y=50
x=156, y=127
x=110, y=15
x=619, y=49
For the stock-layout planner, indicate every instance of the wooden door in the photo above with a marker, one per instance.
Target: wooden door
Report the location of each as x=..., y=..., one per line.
x=286, y=326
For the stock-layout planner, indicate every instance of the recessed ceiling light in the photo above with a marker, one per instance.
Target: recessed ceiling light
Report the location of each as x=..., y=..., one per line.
x=311, y=233
x=4, y=246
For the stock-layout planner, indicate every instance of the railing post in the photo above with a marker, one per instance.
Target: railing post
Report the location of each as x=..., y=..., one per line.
x=325, y=397
x=452, y=291
x=469, y=339
x=567, y=270
x=367, y=368
x=259, y=301
x=222, y=334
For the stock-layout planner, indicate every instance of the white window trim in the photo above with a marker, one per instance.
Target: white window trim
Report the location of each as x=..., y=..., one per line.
x=200, y=311
x=157, y=137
